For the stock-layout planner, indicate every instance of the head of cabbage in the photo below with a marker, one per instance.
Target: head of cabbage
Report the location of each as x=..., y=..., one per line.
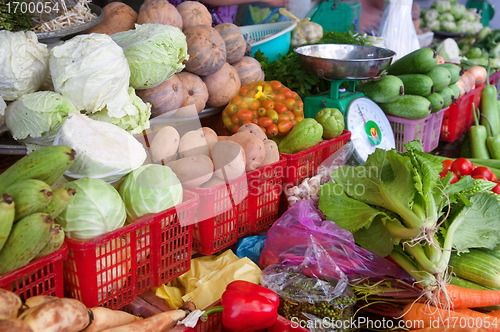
x=155, y=52
x=95, y=209
x=3, y=106
x=151, y=188
x=24, y=63
x=37, y=117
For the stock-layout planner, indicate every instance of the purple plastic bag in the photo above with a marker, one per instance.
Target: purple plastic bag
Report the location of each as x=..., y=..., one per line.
x=302, y=227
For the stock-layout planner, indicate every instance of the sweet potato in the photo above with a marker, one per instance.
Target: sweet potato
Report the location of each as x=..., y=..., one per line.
x=10, y=303
x=193, y=143
x=229, y=160
x=39, y=299
x=254, y=148
x=61, y=315
x=118, y=17
x=272, y=153
x=192, y=171
x=9, y=325
x=252, y=128
x=210, y=137
x=105, y=318
x=164, y=145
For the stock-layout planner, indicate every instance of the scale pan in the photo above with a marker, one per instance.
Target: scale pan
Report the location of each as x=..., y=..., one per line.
x=348, y=62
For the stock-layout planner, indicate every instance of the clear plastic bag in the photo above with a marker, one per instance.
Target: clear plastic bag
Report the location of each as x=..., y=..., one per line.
x=397, y=29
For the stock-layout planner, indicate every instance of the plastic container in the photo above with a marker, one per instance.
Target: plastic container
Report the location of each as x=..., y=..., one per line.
x=272, y=39
x=458, y=118
x=433, y=131
x=43, y=276
x=248, y=20
x=232, y=210
x=406, y=130
x=111, y=269
x=304, y=164
x=495, y=78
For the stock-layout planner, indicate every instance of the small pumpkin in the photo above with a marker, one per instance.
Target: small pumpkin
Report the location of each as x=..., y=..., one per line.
x=206, y=49
x=249, y=70
x=222, y=85
x=165, y=97
x=194, y=90
x=159, y=12
x=118, y=17
x=194, y=13
x=236, y=44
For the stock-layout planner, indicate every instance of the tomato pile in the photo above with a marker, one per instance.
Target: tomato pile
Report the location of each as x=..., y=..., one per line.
x=462, y=167
x=271, y=105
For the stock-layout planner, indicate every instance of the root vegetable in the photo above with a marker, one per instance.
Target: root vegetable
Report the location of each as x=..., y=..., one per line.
x=229, y=160
x=60, y=315
x=193, y=143
x=105, y=318
x=192, y=171
x=9, y=325
x=254, y=148
x=254, y=129
x=164, y=321
x=479, y=73
x=272, y=153
x=10, y=304
x=164, y=145
x=39, y=299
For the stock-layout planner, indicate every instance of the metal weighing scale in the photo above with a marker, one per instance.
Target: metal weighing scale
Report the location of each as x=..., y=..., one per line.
x=369, y=126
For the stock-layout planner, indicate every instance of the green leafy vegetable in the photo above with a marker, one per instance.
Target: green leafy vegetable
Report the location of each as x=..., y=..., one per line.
x=14, y=21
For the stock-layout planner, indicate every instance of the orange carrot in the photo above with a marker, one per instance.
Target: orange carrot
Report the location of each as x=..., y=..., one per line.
x=495, y=313
x=420, y=315
x=461, y=297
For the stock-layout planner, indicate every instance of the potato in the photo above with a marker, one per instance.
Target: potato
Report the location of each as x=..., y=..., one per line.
x=118, y=17
x=223, y=138
x=68, y=315
x=8, y=325
x=10, y=303
x=229, y=160
x=252, y=128
x=214, y=181
x=272, y=153
x=193, y=143
x=39, y=299
x=164, y=145
x=193, y=171
x=210, y=137
x=253, y=147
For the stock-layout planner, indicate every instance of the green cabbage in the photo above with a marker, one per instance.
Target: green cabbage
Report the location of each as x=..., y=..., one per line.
x=431, y=15
x=434, y=25
x=96, y=209
x=155, y=52
x=37, y=117
x=448, y=26
x=24, y=63
x=441, y=6
x=151, y=188
x=134, y=124
x=458, y=11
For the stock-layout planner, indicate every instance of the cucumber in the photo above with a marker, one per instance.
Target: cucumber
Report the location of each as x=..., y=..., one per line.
x=408, y=106
x=436, y=100
x=455, y=71
x=440, y=76
x=419, y=61
x=477, y=266
x=417, y=84
x=447, y=95
x=385, y=90
x=456, y=281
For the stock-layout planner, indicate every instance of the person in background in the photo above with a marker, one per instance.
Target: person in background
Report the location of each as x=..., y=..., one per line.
x=371, y=15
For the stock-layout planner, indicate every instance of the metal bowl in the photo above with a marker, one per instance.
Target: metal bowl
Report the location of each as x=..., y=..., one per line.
x=349, y=62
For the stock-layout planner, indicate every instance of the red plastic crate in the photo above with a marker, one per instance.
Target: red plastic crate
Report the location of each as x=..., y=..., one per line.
x=495, y=78
x=111, y=269
x=304, y=164
x=214, y=324
x=476, y=99
x=43, y=276
x=230, y=210
x=457, y=118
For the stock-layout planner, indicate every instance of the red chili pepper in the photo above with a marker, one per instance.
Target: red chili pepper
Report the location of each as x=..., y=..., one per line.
x=247, y=307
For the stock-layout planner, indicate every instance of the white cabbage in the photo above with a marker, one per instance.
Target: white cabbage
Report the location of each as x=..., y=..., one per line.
x=37, y=117
x=23, y=63
x=155, y=52
x=103, y=150
x=3, y=106
x=151, y=188
x=96, y=209
x=92, y=71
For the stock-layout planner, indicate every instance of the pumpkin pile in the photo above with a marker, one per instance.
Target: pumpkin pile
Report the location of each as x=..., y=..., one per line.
x=217, y=65
x=270, y=105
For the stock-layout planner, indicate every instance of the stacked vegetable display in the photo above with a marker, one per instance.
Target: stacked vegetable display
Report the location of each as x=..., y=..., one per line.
x=450, y=16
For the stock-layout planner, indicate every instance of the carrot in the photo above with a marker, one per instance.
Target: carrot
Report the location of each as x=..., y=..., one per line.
x=461, y=297
x=495, y=313
x=161, y=322
x=420, y=315
x=479, y=315
x=105, y=318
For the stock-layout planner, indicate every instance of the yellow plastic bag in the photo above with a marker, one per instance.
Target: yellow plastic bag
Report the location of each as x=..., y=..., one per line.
x=207, y=279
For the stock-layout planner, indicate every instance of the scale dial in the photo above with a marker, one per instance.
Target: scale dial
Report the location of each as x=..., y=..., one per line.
x=369, y=128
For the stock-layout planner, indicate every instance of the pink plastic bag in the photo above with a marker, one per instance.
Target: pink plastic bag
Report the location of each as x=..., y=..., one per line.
x=302, y=237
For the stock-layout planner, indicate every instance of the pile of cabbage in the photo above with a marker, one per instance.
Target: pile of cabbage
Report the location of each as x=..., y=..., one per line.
x=450, y=16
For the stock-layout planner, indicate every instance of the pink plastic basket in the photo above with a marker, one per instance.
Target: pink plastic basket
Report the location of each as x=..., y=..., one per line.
x=407, y=130
x=433, y=130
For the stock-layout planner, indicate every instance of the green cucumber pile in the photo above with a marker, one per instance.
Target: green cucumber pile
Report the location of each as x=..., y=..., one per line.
x=415, y=86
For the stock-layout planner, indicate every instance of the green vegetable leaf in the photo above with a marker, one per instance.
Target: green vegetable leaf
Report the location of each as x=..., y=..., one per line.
x=377, y=238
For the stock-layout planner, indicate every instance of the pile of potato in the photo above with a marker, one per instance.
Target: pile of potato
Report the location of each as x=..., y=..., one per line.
x=200, y=158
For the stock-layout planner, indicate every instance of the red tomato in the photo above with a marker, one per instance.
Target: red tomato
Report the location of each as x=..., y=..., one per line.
x=493, y=177
x=290, y=104
x=447, y=164
x=244, y=90
x=454, y=179
x=479, y=177
x=496, y=189
x=276, y=85
x=279, y=98
x=482, y=171
x=262, y=111
x=280, y=108
x=254, y=105
x=272, y=130
x=461, y=167
x=443, y=173
x=287, y=92
x=265, y=122
x=268, y=104
x=473, y=166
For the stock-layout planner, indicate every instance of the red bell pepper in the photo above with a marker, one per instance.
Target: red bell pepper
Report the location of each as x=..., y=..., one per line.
x=247, y=307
